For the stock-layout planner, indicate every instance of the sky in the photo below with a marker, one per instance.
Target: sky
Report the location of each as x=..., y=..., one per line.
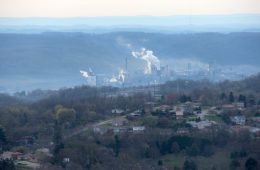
x=90, y=8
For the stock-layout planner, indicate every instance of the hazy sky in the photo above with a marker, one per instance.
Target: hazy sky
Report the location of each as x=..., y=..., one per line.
x=72, y=8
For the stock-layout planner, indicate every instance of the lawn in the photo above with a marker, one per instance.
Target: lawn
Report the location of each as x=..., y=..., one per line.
x=215, y=118
x=173, y=160
x=220, y=160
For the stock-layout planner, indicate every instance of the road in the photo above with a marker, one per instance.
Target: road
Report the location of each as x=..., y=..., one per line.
x=89, y=126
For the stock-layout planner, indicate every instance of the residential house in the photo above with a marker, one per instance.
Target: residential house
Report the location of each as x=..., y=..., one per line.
x=182, y=131
x=11, y=155
x=66, y=160
x=162, y=108
x=136, y=113
x=188, y=108
x=239, y=120
x=138, y=128
x=239, y=105
x=200, y=124
x=117, y=111
x=228, y=107
x=179, y=112
x=197, y=107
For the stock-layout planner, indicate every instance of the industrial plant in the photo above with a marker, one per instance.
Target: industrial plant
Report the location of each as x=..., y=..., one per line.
x=154, y=72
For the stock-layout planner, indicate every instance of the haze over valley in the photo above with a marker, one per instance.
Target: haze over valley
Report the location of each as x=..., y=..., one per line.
x=52, y=60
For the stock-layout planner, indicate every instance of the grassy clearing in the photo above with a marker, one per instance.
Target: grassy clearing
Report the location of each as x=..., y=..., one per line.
x=214, y=117
x=174, y=160
x=220, y=160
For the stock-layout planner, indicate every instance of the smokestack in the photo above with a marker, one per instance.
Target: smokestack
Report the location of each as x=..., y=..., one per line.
x=126, y=64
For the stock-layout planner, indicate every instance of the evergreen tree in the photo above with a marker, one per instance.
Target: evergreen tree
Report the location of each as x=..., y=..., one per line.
x=189, y=165
x=117, y=145
x=223, y=96
x=2, y=137
x=57, y=138
x=6, y=164
x=242, y=98
x=251, y=164
x=231, y=97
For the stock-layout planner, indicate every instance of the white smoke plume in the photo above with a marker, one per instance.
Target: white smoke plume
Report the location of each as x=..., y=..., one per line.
x=87, y=74
x=151, y=60
x=121, y=75
x=119, y=78
x=113, y=80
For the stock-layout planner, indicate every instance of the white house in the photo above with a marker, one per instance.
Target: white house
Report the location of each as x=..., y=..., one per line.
x=117, y=111
x=239, y=120
x=138, y=128
x=201, y=124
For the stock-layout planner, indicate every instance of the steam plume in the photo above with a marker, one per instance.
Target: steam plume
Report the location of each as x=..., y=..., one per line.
x=119, y=78
x=151, y=60
x=87, y=74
